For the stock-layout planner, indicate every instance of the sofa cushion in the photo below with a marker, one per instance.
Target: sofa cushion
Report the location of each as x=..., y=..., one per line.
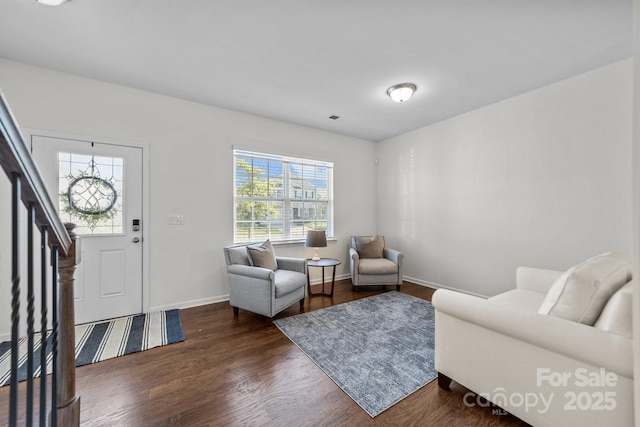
x=263, y=256
x=616, y=317
x=238, y=255
x=369, y=247
x=581, y=292
x=287, y=281
x=377, y=266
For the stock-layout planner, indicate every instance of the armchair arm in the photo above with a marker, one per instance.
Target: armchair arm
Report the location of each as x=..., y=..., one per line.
x=536, y=279
x=251, y=288
x=354, y=260
x=353, y=254
x=571, y=339
x=249, y=271
x=394, y=255
x=293, y=264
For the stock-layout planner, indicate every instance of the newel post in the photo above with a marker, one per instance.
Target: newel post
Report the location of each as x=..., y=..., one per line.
x=68, y=410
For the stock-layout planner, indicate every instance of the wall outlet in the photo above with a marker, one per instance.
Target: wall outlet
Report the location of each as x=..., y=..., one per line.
x=176, y=219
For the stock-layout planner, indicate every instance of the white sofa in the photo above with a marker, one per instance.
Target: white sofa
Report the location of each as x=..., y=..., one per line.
x=546, y=370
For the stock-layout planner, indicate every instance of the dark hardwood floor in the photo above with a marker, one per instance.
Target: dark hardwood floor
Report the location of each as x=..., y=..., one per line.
x=245, y=372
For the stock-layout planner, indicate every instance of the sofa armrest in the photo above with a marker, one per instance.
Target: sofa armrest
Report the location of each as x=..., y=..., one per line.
x=393, y=255
x=536, y=279
x=572, y=339
x=249, y=271
x=293, y=264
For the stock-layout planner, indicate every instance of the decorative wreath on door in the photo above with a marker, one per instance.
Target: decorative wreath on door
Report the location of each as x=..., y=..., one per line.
x=89, y=197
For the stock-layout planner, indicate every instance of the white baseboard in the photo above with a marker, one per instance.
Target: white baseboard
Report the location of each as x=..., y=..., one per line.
x=192, y=303
x=223, y=298
x=328, y=279
x=439, y=286
x=179, y=305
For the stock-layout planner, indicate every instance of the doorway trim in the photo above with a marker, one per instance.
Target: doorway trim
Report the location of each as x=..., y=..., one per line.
x=28, y=133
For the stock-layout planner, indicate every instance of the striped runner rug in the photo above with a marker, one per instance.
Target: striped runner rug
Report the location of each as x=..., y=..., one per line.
x=103, y=340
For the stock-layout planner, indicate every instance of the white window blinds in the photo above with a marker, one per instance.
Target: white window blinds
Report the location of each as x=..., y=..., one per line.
x=280, y=198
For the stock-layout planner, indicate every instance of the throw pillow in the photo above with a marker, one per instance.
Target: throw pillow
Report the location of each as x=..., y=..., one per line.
x=616, y=316
x=581, y=292
x=263, y=256
x=369, y=247
x=239, y=255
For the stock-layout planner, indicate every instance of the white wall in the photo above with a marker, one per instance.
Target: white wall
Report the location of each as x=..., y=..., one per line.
x=190, y=171
x=636, y=204
x=636, y=132
x=541, y=179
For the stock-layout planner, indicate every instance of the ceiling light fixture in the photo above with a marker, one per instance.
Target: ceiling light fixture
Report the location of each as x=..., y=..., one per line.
x=401, y=92
x=52, y=2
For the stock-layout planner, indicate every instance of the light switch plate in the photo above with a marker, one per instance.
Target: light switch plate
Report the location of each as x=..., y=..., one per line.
x=176, y=219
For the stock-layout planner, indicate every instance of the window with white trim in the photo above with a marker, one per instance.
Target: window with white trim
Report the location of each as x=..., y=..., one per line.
x=279, y=197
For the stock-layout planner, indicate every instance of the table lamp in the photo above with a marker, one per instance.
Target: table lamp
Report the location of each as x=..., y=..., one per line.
x=316, y=239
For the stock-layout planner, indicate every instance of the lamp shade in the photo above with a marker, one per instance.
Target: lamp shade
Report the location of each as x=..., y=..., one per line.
x=316, y=239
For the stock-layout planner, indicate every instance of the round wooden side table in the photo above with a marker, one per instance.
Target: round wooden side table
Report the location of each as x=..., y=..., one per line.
x=322, y=262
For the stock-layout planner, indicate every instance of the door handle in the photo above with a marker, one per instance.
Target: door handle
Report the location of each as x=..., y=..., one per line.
x=135, y=240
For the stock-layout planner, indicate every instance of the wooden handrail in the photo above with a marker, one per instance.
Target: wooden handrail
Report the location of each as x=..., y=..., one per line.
x=15, y=157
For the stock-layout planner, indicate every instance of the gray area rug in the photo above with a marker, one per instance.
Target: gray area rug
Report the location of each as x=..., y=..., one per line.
x=377, y=349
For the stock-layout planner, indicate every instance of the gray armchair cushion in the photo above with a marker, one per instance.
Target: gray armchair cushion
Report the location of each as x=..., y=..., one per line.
x=263, y=256
x=369, y=247
x=286, y=281
x=377, y=266
x=238, y=255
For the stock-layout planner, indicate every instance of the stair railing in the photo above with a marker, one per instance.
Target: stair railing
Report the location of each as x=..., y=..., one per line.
x=58, y=404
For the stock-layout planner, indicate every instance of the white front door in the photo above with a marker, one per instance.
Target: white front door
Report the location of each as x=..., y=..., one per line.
x=98, y=187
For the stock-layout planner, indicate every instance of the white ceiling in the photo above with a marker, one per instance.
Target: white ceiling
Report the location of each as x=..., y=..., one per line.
x=302, y=61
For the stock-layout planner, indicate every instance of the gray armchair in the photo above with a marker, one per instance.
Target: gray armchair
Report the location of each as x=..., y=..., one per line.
x=262, y=290
x=373, y=264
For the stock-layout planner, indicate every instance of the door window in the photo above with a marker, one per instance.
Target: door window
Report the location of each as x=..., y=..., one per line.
x=91, y=193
